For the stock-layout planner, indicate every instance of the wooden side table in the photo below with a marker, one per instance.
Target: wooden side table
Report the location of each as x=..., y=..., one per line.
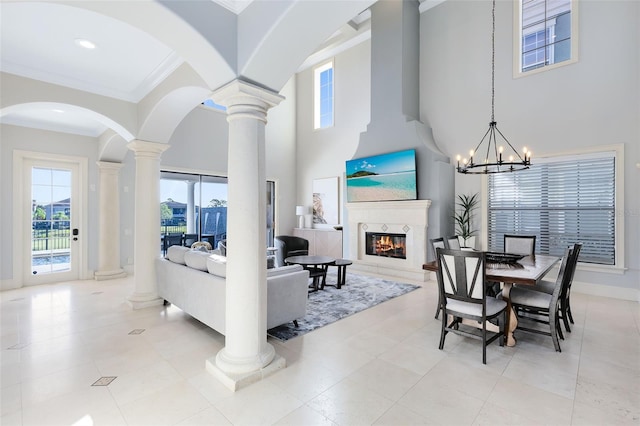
x=341, y=264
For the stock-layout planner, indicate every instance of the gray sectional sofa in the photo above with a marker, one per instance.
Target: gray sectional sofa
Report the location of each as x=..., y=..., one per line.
x=195, y=282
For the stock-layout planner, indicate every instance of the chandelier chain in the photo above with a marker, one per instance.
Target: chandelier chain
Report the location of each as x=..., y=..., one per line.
x=493, y=62
x=493, y=161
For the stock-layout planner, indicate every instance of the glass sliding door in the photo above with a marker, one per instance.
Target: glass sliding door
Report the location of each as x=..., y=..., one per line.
x=212, y=209
x=194, y=208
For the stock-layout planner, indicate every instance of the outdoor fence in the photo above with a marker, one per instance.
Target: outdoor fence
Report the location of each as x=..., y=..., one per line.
x=49, y=239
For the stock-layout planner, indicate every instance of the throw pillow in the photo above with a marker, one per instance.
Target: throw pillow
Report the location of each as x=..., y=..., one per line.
x=196, y=259
x=176, y=254
x=217, y=265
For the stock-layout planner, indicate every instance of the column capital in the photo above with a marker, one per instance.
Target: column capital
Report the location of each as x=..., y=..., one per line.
x=106, y=166
x=146, y=148
x=244, y=99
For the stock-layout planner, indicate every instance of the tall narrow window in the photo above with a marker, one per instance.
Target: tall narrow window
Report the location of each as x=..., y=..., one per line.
x=323, y=96
x=547, y=33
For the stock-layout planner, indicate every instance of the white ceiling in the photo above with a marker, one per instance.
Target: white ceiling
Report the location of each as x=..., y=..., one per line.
x=38, y=41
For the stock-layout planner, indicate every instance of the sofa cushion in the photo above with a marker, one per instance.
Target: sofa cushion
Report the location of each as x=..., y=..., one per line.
x=217, y=265
x=196, y=259
x=283, y=270
x=176, y=254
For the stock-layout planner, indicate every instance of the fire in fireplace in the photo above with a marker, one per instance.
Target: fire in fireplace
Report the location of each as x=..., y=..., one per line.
x=388, y=245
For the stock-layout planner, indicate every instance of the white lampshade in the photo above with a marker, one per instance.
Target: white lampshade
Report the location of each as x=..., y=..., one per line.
x=300, y=210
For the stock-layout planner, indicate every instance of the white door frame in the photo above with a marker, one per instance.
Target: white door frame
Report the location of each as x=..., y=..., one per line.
x=21, y=198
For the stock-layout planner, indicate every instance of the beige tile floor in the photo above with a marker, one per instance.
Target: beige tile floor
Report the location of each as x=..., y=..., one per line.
x=381, y=366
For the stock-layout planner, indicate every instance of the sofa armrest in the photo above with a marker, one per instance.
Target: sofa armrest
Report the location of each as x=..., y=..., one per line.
x=287, y=297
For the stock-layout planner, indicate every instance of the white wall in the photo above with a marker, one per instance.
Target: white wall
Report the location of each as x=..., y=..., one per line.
x=199, y=144
x=322, y=153
x=26, y=139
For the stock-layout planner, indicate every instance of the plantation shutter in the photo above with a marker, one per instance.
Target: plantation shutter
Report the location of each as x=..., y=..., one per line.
x=562, y=202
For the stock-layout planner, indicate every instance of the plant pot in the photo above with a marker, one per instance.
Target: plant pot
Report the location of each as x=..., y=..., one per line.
x=470, y=242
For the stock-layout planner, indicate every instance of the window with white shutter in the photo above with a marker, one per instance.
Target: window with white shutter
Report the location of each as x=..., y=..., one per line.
x=560, y=200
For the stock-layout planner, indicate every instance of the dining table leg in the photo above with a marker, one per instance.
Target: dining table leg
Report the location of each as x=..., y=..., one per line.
x=511, y=318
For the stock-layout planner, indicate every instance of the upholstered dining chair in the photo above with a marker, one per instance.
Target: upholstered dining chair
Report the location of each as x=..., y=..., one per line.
x=453, y=242
x=463, y=293
x=517, y=244
x=541, y=307
x=520, y=244
x=437, y=243
x=548, y=286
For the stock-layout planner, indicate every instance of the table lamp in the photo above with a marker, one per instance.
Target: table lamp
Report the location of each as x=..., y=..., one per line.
x=300, y=212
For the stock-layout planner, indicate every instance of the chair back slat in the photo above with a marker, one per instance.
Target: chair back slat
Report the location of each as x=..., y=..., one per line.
x=563, y=276
x=572, y=263
x=462, y=274
x=437, y=243
x=474, y=267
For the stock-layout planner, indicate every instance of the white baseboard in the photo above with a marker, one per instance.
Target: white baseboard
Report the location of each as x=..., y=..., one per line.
x=621, y=293
x=9, y=284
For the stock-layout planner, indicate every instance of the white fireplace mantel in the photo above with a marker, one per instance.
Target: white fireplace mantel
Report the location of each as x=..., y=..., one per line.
x=401, y=217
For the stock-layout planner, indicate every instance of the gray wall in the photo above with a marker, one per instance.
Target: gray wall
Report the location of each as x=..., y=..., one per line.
x=594, y=102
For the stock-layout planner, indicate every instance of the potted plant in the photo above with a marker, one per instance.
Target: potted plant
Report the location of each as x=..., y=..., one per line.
x=463, y=216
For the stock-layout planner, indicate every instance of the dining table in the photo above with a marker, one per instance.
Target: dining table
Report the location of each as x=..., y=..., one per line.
x=529, y=270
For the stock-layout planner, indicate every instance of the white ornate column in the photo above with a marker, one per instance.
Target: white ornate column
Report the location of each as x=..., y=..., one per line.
x=109, y=223
x=246, y=357
x=147, y=222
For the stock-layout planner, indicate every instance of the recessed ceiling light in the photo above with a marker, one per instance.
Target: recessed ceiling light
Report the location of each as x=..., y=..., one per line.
x=85, y=43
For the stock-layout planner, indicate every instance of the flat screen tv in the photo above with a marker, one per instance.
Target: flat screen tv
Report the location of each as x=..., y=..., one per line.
x=385, y=177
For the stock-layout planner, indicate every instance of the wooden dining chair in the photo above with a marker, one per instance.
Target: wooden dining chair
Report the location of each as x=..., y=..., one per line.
x=520, y=244
x=517, y=244
x=453, y=242
x=540, y=307
x=437, y=243
x=548, y=286
x=461, y=282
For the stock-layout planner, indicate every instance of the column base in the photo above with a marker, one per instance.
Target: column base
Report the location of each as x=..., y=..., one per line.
x=236, y=381
x=109, y=275
x=141, y=301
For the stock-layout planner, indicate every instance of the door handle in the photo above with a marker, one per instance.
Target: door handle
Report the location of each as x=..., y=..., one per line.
x=75, y=234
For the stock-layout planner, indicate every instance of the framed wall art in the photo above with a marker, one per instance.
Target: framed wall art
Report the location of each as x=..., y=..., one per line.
x=325, y=202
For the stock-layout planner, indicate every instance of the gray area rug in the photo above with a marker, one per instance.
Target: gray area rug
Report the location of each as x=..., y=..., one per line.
x=329, y=305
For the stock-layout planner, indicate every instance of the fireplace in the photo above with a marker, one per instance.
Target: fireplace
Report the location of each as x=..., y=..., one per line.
x=389, y=238
x=386, y=244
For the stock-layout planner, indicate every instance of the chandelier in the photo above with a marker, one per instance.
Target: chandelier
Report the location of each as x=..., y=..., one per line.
x=495, y=160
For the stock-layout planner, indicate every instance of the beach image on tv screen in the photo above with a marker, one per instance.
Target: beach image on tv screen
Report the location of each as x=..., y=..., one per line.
x=385, y=177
